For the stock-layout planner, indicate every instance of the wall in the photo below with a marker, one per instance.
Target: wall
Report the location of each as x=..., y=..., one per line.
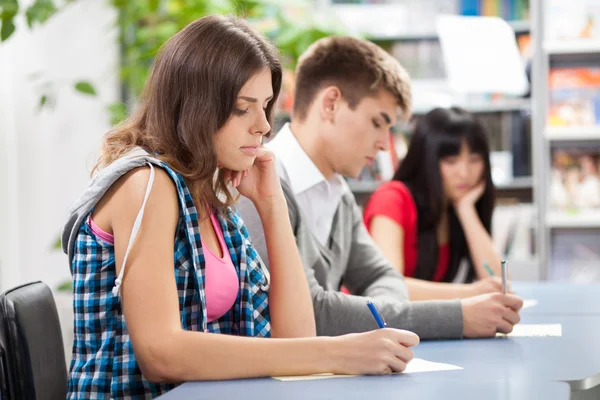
x=46, y=156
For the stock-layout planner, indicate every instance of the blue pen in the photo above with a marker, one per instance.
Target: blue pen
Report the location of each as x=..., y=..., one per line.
x=378, y=318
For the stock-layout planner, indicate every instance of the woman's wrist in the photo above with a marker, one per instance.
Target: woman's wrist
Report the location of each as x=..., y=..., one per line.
x=271, y=206
x=331, y=351
x=464, y=209
x=464, y=291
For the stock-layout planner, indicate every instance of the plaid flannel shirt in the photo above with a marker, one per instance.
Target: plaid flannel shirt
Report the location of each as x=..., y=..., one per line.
x=104, y=364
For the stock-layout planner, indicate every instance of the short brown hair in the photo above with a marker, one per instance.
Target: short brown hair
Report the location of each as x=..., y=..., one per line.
x=190, y=95
x=357, y=67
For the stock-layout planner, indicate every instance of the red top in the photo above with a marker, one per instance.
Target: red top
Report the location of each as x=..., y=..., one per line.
x=393, y=200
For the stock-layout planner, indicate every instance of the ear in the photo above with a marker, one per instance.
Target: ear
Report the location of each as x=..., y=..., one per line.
x=329, y=103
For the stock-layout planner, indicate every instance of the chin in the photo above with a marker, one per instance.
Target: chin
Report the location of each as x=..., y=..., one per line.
x=354, y=174
x=239, y=164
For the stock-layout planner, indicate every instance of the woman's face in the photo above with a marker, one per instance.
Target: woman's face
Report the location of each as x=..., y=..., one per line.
x=460, y=173
x=237, y=142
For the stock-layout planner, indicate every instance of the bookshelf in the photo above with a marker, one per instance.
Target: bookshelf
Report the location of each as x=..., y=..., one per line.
x=573, y=133
x=485, y=107
x=582, y=219
x=576, y=46
x=519, y=26
x=562, y=223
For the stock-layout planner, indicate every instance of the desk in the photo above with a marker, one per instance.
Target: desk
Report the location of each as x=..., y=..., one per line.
x=369, y=387
x=560, y=298
x=573, y=358
x=496, y=369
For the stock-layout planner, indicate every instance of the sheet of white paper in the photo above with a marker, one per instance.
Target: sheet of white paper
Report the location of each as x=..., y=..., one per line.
x=529, y=303
x=535, y=330
x=420, y=365
x=415, y=366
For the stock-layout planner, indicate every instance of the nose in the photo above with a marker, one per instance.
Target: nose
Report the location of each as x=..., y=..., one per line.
x=463, y=170
x=383, y=144
x=261, y=125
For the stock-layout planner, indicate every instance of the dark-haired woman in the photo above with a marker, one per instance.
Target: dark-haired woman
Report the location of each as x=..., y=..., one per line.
x=167, y=285
x=435, y=214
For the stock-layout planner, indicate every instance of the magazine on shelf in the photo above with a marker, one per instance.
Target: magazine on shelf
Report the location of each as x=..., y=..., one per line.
x=573, y=19
x=575, y=179
x=574, y=96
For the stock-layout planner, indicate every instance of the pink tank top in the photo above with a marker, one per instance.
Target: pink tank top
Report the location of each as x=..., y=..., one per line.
x=221, y=280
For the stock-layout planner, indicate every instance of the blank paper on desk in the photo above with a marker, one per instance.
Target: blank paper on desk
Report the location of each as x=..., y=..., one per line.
x=535, y=330
x=415, y=366
x=529, y=303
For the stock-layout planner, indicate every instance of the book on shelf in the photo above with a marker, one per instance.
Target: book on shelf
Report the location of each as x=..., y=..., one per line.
x=574, y=96
x=508, y=9
x=423, y=59
x=512, y=230
x=573, y=19
x=575, y=179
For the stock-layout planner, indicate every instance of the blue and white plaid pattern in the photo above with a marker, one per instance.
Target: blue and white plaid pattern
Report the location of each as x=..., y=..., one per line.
x=104, y=364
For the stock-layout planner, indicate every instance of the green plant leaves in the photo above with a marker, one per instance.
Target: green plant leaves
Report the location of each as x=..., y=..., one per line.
x=85, y=88
x=66, y=286
x=118, y=113
x=57, y=245
x=39, y=12
x=8, y=28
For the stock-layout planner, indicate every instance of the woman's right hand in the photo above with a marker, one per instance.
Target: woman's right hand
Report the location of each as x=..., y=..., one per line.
x=381, y=351
x=490, y=284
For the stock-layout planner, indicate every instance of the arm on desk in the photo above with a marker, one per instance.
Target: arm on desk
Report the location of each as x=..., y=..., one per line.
x=369, y=274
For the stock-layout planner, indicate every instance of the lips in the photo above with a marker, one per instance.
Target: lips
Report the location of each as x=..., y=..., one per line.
x=250, y=150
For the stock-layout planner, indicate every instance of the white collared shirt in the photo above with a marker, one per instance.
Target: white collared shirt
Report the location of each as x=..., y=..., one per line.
x=317, y=197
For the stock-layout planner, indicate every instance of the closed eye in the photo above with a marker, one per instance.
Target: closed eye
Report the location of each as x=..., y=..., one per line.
x=238, y=111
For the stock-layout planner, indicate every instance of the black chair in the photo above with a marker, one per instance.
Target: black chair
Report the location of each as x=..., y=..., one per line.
x=33, y=357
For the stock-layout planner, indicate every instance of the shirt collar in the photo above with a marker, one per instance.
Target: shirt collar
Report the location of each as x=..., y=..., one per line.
x=301, y=171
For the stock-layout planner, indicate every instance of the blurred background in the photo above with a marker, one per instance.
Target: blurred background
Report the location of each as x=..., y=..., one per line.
x=71, y=69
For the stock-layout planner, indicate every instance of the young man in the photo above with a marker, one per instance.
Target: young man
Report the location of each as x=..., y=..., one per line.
x=348, y=95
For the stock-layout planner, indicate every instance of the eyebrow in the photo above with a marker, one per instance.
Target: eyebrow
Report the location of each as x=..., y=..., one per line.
x=254, y=100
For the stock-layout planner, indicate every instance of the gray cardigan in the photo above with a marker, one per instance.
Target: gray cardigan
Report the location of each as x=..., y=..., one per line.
x=352, y=257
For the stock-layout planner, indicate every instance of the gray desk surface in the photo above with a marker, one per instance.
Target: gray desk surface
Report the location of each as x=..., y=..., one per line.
x=573, y=358
x=369, y=387
x=499, y=368
x=560, y=298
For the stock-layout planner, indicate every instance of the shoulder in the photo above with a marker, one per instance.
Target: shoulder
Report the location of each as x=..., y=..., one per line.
x=393, y=193
x=393, y=200
x=394, y=187
x=129, y=191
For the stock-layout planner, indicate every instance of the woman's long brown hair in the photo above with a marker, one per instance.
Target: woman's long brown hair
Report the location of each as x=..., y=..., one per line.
x=190, y=94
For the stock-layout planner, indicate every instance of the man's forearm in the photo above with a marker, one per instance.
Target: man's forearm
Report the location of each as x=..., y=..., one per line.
x=339, y=313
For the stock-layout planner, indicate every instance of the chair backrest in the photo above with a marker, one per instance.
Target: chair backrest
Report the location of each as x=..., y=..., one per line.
x=32, y=346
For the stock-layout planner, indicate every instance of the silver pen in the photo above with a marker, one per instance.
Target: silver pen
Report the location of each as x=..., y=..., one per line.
x=504, y=277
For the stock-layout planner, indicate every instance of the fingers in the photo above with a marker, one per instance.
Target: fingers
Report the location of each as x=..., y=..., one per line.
x=511, y=301
x=496, y=283
x=396, y=364
x=405, y=338
x=264, y=154
x=504, y=327
x=404, y=354
x=511, y=316
x=234, y=177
